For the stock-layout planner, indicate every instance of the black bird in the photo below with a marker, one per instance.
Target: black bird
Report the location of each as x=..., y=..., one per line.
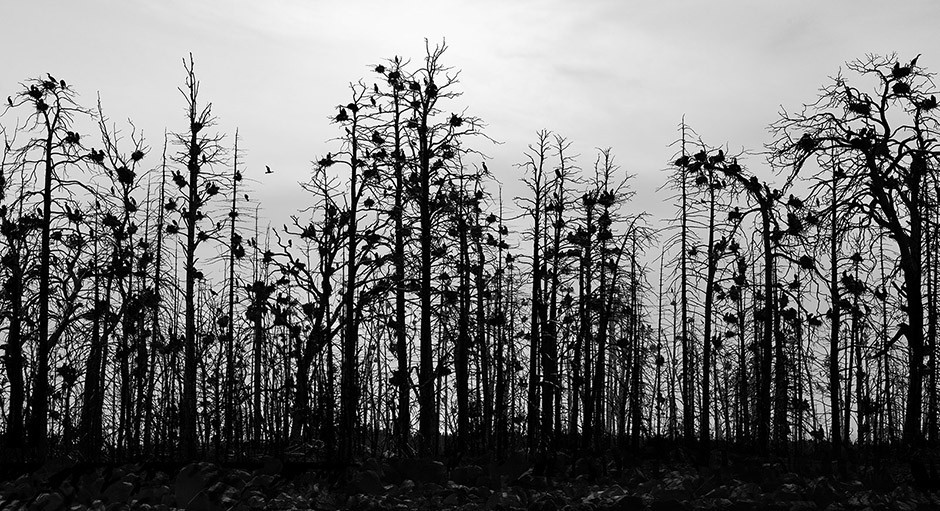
x=246, y=196
x=268, y=170
x=10, y=100
x=927, y=104
x=900, y=72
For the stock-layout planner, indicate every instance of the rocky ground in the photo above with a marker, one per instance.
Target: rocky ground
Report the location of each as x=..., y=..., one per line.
x=511, y=484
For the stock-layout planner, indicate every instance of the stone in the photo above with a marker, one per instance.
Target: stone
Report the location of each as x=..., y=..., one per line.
x=118, y=492
x=467, y=475
x=366, y=482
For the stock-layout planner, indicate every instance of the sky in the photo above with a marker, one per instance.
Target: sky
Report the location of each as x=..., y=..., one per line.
x=602, y=73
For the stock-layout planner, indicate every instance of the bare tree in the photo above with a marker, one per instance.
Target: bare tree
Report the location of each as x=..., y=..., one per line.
x=883, y=136
x=200, y=152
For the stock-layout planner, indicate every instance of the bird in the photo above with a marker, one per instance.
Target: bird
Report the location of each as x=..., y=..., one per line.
x=10, y=100
x=268, y=170
x=246, y=196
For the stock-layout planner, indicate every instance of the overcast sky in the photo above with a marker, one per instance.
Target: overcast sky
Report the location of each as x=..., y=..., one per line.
x=611, y=73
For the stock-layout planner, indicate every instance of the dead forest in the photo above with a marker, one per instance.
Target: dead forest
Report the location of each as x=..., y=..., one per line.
x=411, y=308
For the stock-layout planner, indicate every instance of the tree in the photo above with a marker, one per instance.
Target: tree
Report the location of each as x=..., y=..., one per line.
x=395, y=100
x=54, y=149
x=537, y=181
x=708, y=168
x=199, y=152
x=883, y=136
x=434, y=141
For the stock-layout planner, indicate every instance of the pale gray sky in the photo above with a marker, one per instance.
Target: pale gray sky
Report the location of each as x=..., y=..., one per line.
x=603, y=73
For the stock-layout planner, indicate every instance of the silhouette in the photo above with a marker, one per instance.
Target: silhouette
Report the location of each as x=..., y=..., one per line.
x=406, y=312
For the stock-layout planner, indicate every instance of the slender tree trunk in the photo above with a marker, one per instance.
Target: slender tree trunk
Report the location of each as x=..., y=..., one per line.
x=712, y=256
x=13, y=350
x=587, y=337
x=350, y=384
x=403, y=424
x=39, y=413
x=767, y=337
x=688, y=406
x=188, y=402
x=427, y=410
x=834, y=331
x=637, y=338
x=462, y=349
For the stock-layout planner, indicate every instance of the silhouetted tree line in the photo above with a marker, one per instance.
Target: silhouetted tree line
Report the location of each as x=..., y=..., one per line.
x=146, y=312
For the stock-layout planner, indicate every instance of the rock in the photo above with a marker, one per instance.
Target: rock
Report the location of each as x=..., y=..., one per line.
x=118, y=492
x=367, y=482
x=746, y=491
x=467, y=475
x=512, y=467
x=743, y=505
x=787, y=493
x=627, y=503
x=490, y=482
x=191, y=481
x=586, y=467
x=667, y=494
x=503, y=500
x=821, y=492
x=236, y=478
x=407, y=486
x=48, y=502
x=262, y=481
x=668, y=505
x=427, y=471
x=67, y=489
x=543, y=504
x=89, y=487
x=803, y=505
x=529, y=480
x=271, y=466
x=282, y=501
x=452, y=500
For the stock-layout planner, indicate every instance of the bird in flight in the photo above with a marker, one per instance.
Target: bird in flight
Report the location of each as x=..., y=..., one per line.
x=268, y=170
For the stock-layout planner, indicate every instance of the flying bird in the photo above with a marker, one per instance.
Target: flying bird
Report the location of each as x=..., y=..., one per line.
x=268, y=170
